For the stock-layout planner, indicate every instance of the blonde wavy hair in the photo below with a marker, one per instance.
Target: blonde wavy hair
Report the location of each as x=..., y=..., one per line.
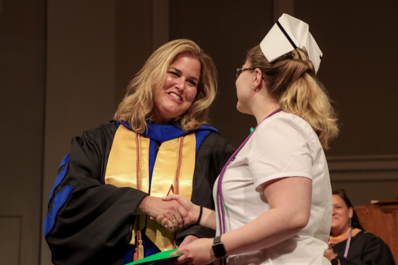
x=291, y=80
x=138, y=103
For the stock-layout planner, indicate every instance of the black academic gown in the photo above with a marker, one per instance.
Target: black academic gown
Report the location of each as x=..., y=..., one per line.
x=365, y=249
x=89, y=222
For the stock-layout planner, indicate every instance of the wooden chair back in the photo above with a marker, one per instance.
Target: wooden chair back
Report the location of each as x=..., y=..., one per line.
x=381, y=219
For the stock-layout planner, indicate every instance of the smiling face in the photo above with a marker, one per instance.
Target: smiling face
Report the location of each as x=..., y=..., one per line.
x=340, y=216
x=179, y=89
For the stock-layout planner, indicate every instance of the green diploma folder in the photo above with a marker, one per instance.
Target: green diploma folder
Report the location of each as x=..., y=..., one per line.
x=161, y=258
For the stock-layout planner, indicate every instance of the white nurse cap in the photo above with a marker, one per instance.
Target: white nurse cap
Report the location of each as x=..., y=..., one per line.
x=287, y=34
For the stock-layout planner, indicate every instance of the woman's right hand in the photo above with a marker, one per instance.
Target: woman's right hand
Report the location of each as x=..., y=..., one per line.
x=193, y=210
x=176, y=215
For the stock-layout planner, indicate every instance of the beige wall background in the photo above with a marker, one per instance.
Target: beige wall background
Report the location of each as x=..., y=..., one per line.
x=64, y=67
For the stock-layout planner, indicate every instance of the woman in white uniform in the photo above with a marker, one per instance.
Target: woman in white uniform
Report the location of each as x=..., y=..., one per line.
x=273, y=198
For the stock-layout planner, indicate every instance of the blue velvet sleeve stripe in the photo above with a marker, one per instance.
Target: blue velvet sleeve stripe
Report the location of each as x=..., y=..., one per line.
x=59, y=201
x=60, y=176
x=152, y=158
x=200, y=136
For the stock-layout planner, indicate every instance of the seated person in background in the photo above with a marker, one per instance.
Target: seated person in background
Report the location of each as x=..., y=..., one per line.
x=348, y=243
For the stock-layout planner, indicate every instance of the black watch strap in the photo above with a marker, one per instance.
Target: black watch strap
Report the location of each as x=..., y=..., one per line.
x=335, y=261
x=218, y=248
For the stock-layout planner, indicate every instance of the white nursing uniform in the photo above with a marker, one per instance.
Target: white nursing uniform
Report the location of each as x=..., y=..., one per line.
x=283, y=145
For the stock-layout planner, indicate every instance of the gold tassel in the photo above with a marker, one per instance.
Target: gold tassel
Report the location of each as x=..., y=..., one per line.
x=140, y=247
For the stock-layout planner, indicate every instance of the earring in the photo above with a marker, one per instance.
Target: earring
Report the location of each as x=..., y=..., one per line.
x=349, y=222
x=253, y=85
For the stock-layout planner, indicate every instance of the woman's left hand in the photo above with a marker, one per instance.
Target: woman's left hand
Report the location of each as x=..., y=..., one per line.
x=199, y=252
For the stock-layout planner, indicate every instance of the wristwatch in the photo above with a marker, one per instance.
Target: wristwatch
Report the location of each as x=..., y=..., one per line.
x=218, y=248
x=335, y=261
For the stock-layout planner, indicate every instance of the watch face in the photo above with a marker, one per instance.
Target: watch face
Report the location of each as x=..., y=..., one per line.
x=219, y=250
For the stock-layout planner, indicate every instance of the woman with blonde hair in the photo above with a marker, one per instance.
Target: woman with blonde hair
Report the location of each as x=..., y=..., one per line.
x=138, y=104
x=273, y=197
x=113, y=180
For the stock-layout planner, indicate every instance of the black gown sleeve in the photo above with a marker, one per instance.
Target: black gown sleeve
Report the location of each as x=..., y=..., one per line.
x=211, y=157
x=93, y=223
x=365, y=249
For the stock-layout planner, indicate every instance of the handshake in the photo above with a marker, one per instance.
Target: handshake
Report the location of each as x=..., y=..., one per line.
x=176, y=212
x=173, y=212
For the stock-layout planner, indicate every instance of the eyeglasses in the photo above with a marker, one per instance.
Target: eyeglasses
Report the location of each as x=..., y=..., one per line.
x=238, y=71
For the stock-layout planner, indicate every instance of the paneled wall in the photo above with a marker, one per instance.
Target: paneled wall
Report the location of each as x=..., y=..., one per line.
x=358, y=69
x=22, y=88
